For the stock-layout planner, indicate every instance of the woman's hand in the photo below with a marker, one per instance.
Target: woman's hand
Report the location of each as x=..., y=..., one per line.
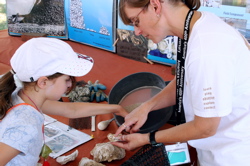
x=132, y=141
x=134, y=120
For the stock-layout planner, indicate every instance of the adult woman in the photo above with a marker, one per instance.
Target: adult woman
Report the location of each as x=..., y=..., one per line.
x=216, y=81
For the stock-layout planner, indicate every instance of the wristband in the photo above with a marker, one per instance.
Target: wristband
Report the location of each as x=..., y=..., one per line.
x=152, y=138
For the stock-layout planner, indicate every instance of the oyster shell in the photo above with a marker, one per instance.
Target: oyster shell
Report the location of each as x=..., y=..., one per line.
x=107, y=152
x=112, y=138
x=65, y=159
x=88, y=162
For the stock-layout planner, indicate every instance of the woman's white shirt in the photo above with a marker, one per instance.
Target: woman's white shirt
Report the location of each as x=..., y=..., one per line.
x=217, y=84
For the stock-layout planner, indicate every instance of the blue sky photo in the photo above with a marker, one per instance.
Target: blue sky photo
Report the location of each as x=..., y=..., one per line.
x=102, y=15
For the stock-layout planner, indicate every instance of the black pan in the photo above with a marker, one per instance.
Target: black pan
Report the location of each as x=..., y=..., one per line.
x=136, y=88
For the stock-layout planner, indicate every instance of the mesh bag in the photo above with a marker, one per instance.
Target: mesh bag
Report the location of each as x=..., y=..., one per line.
x=149, y=155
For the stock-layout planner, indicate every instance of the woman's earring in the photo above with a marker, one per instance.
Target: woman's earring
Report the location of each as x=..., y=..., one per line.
x=158, y=15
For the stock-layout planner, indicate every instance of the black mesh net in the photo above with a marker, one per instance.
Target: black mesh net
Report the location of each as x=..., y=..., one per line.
x=149, y=155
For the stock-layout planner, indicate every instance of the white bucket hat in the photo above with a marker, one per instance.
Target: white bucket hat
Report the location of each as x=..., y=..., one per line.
x=46, y=56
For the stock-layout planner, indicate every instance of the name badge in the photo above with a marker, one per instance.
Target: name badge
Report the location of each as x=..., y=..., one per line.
x=178, y=153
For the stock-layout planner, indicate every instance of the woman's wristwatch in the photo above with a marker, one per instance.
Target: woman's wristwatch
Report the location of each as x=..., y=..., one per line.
x=152, y=138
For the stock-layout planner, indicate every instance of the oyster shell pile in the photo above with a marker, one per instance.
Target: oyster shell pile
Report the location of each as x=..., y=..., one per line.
x=79, y=94
x=85, y=92
x=107, y=152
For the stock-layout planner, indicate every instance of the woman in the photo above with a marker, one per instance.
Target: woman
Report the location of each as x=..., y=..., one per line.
x=43, y=69
x=216, y=81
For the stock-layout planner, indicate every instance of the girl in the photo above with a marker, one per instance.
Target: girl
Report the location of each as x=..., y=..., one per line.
x=43, y=69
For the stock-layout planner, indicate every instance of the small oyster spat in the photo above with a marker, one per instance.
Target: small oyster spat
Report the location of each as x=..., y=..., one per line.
x=107, y=152
x=88, y=162
x=112, y=138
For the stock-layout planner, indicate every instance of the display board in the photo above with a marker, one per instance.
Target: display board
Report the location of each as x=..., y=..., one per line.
x=128, y=44
x=234, y=12
x=138, y=47
x=96, y=23
x=92, y=22
x=36, y=16
x=164, y=52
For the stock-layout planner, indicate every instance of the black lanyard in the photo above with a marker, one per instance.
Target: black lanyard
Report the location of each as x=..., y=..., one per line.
x=180, y=70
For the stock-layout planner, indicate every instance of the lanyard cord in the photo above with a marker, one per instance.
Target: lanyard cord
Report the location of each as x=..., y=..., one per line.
x=37, y=110
x=31, y=100
x=45, y=147
x=180, y=70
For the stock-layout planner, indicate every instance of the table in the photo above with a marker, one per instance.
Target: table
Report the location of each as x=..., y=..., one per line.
x=108, y=68
x=99, y=137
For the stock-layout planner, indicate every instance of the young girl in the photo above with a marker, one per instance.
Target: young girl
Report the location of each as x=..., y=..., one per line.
x=42, y=71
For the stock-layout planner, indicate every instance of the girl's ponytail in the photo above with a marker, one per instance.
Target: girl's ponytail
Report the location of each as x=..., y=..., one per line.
x=7, y=86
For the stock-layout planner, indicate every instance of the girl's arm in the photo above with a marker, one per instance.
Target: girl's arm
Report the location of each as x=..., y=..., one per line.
x=81, y=109
x=7, y=153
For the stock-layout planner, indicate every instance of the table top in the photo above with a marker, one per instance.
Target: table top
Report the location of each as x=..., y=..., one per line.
x=99, y=137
